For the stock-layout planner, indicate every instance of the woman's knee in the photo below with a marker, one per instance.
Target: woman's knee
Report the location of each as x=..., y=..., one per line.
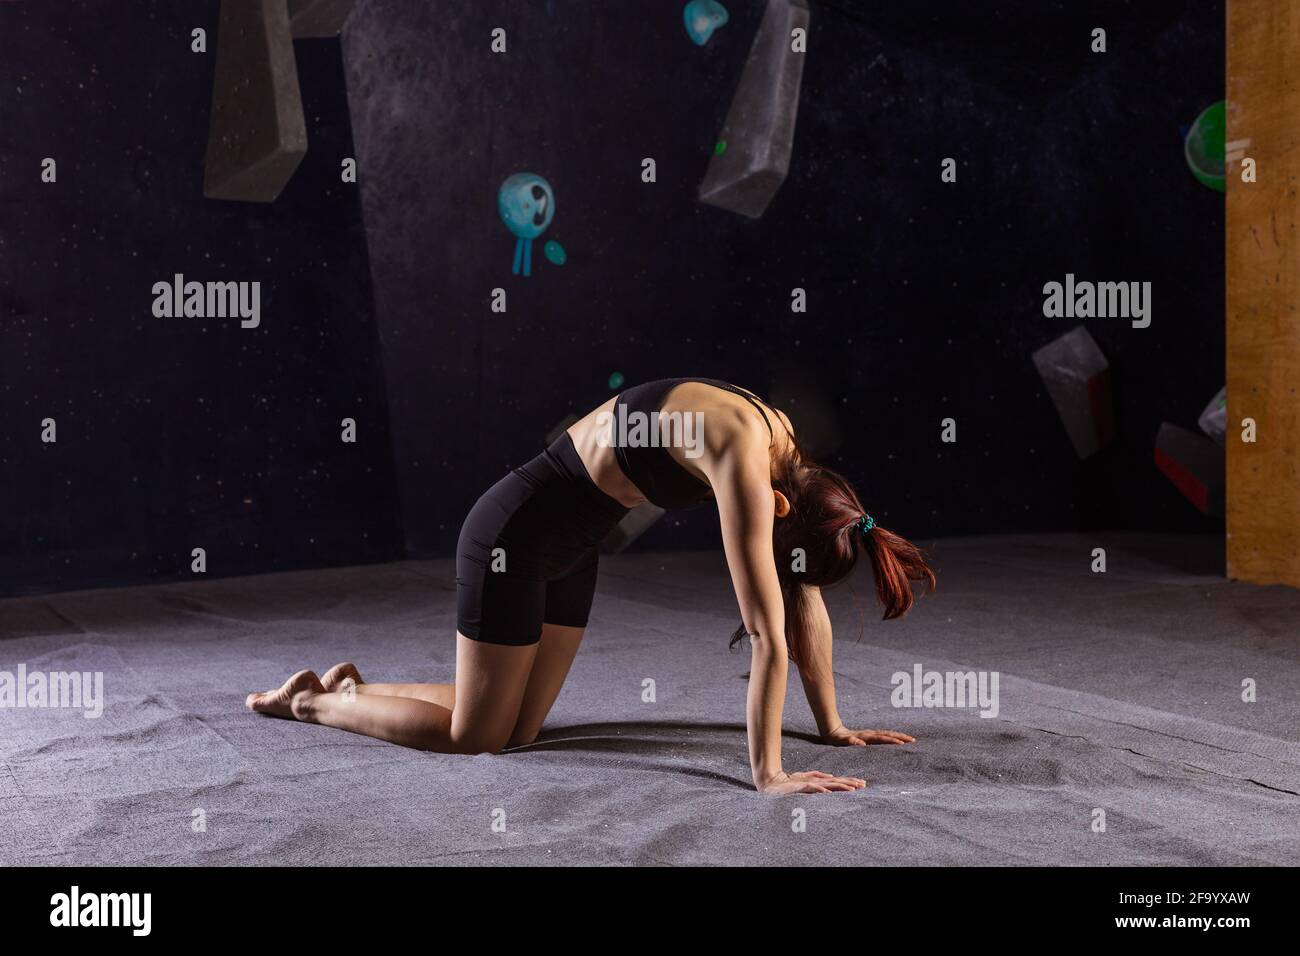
x=477, y=740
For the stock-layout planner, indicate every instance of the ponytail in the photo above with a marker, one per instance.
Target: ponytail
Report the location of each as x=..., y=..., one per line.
x=895, y=562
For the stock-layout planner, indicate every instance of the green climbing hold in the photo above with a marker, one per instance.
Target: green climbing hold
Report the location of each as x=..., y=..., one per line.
x=1204, y=146
x=555, y=252
x=616, y=380
x=719, y=147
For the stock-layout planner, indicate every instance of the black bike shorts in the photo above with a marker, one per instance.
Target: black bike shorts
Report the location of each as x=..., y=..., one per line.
x=527, y=553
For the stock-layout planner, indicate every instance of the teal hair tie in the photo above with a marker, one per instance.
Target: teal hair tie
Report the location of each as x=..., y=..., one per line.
x=866, y=523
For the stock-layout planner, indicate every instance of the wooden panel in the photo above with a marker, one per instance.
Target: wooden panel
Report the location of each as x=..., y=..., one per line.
x=1263, y=506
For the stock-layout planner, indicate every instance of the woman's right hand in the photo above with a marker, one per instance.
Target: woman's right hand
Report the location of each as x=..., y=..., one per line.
x=809, y=781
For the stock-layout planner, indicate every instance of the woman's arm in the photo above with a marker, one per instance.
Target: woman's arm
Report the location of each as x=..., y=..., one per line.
x=816, y=674
x=819, y=684
x=746, y=509
x=742, y=485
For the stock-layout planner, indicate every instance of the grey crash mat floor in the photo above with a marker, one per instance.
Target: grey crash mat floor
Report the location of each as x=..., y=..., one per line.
x=1120, y=700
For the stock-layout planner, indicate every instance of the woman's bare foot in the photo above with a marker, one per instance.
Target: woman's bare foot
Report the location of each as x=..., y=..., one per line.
x=336, y=675
x=279, y=703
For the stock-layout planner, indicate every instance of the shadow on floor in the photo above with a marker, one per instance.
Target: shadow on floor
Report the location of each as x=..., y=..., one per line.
x=578, y=735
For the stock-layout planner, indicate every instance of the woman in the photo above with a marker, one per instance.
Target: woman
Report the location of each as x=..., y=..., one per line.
x=526, y=573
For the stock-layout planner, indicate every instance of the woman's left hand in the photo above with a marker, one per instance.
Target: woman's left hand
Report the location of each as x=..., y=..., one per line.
x=843, y=737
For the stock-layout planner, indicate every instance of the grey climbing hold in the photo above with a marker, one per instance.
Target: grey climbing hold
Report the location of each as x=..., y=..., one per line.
x=634, y=524
x=759, y=129
x=1077, y=377
x=257, y=134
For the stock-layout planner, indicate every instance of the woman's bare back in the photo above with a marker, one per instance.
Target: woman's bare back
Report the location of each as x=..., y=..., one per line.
x=724, y=415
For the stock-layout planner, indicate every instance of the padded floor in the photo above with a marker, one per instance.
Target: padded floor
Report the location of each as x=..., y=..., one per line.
x=1118, y=692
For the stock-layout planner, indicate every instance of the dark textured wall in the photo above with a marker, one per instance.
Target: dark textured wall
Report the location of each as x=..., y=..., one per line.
x=174, y=433
x=925, y=299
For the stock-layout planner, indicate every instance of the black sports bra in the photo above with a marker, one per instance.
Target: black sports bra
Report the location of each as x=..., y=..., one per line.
x=644, y=458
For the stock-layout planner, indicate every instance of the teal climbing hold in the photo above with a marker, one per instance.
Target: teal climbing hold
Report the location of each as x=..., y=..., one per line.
x=702, y=17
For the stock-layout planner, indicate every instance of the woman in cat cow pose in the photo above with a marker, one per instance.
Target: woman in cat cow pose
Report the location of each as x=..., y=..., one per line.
x=518, y=630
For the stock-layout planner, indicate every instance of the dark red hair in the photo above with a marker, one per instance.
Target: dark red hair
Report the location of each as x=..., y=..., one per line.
x=824, y=523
